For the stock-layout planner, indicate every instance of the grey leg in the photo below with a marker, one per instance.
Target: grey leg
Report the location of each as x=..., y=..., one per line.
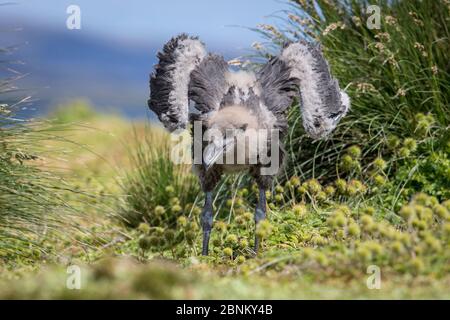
x=207, y=221
x=260, y=213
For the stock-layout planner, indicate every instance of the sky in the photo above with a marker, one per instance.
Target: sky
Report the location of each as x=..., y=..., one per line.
x=214, y=21
x=109, y=59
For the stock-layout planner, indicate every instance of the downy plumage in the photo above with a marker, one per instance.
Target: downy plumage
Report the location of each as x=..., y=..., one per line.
x=235, y=110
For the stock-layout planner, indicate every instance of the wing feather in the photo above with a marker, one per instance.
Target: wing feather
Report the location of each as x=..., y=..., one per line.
x=323, y=104
x=169, y=82
x=208, y=83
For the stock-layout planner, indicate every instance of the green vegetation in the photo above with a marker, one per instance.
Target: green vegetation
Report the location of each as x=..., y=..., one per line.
x=397, y=77
x=156, y=180
x=375, y=193
x=32, y=202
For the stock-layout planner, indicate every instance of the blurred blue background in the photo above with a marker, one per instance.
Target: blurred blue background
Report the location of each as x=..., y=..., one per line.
x=109, y=59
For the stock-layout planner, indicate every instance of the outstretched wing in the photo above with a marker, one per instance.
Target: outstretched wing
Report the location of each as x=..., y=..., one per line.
x=208, y=83
x=323, y=104
x=169, y=83
x=278, y=89
x=303, y=71
x=278, y=86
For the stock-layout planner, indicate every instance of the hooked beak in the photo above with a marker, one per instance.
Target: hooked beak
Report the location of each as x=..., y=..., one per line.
x=214, y=151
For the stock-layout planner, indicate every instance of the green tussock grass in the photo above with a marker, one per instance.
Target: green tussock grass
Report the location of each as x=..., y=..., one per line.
x=156, y=181
x=121, y=278
x=33, y=207
x=374, y=194
x=342, y=205
x=392, y=75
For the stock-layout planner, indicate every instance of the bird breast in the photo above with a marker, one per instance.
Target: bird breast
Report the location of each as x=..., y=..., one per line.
x=242, y=127
x=233, y=117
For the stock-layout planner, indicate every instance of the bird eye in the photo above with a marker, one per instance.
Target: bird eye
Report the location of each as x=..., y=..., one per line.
x=244, y=127
x=335, y=115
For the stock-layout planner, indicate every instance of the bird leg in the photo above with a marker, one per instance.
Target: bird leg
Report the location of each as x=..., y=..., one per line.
x=260, y=213
x=207, y=221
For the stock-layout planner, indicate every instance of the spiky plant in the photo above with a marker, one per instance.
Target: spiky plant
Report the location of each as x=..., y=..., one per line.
x=32, y=206
x=157, y=190
x=392, y=74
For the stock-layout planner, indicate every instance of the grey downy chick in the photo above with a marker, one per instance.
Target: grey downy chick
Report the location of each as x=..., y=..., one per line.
x=231, y=106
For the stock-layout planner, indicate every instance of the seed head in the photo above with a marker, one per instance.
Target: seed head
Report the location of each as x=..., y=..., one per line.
x=398, y=247
x=419, y=224
x=295, y=181
x=321, y=259
x=446, y=228
x=341, y=185
x=446, y=204
x=278, y=198
x=375, y=247
x=182, y=221
x=231, y=239
x=145, y=243
x=170, y=189
x=244, y=192
x=347, y=163
x=340, y=219
x=238, y=202
x=330, y=191
x=393, y=142
x=405, y=239
x=243, y=243
x=196, y=211
x=169, y=235
x=354, y=230
x=176, y=208
x=302, y=190
x=263, y=229
x=190, y=237
x=410, y=144
x=321, y=196
x=220, y=226
x=367, y=222
x=433, y=244
x=240, y=220
x=159, y=210
x=319, y=240
x=422, y=199
x=379, y=180
x=417, y=265
x=279, y=189
x=314, y=186
x=379, y=164
x=248, y=216
x=192, y=225
x=354, y=152
x=364, y=253
x=227, y=252
x=369, y=210
x=174, y=200
x=144, y=228
x=300, y=210
x=154, y=241
x=351, y=191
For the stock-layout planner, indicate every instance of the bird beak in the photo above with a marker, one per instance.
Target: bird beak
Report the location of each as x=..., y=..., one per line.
x=214, y=151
